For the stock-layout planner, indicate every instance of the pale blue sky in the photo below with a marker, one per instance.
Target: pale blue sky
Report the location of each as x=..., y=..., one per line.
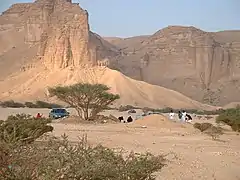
x=126, y=18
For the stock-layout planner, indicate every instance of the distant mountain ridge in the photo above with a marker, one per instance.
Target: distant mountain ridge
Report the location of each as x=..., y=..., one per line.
x=202, y=65
x=55, y=34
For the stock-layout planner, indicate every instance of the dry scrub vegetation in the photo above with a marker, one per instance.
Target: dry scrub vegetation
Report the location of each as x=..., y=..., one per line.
x=229, y=117
x=22, y=157
x=37, y=104
x=209, y=129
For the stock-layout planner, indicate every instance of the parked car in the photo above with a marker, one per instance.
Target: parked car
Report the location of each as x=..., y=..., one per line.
x=132, y=111
x=58, y=113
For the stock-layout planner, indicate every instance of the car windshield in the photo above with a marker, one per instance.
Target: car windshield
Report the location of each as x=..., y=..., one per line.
x=59, y=111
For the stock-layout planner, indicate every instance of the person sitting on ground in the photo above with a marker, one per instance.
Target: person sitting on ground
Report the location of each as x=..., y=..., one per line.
x=188, y=118
x=171, y=115
x=120, y=118
x=38, y=115
x=129, y=119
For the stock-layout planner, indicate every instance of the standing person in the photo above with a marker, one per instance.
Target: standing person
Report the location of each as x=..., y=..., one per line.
x=180, y=115
x=184, y=114
x=171, y=115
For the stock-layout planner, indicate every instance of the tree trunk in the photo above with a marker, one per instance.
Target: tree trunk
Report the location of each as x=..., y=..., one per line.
x=79, y=111
x=85, y=111
x=86, y=115
x=94, y=112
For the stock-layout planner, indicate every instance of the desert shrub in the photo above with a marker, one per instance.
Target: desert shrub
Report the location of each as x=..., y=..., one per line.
x=23, y=128
x=126, y=108
x=230, y=117
x=42, y=104
x=59, y=159
x=84, y=97
x=214, y=132
x=202, y=126
x=11, y=104
x=209, y=129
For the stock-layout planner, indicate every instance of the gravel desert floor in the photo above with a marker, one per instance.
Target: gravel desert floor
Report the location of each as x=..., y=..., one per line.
x=191, y=155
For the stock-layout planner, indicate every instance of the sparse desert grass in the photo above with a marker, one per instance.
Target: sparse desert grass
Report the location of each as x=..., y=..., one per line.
x=56, y=159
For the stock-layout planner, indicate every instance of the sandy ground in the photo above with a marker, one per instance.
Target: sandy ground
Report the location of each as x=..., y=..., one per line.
x=191, y=154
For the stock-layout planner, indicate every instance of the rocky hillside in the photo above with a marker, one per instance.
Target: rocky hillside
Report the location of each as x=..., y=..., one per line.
x=55, y=35
x=53, y=32
x=202, y=65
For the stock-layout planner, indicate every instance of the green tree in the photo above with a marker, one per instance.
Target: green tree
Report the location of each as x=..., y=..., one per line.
x=84, y=97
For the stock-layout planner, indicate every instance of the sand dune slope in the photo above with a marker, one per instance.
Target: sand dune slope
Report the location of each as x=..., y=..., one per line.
x=33, y=84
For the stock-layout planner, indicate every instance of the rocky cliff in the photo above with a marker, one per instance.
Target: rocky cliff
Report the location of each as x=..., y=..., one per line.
x=57, y=28
x=55, y=34
x=185, y=59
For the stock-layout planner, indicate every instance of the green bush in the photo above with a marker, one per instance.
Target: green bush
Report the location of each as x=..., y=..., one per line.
x=59, y=159
x=230, y=117
x=15, y=133
x=11, y=104
x=23, y=128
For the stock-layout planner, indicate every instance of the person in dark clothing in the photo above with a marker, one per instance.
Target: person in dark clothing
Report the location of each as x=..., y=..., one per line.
x=180, y=115
x=129, y=119
x=120, y=118
x=189, y=117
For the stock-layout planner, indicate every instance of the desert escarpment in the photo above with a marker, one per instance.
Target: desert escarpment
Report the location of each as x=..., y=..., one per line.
x=57, y=28
x=55, y=34
x=197, y=63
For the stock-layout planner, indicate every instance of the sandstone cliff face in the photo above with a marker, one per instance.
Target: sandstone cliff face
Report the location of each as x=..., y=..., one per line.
x=62, y=30
x=58, y=27
x=185, y=59
x=101, y=50
x=204, y=66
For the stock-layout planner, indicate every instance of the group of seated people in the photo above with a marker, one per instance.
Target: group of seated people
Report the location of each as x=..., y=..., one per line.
x=129, y=119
